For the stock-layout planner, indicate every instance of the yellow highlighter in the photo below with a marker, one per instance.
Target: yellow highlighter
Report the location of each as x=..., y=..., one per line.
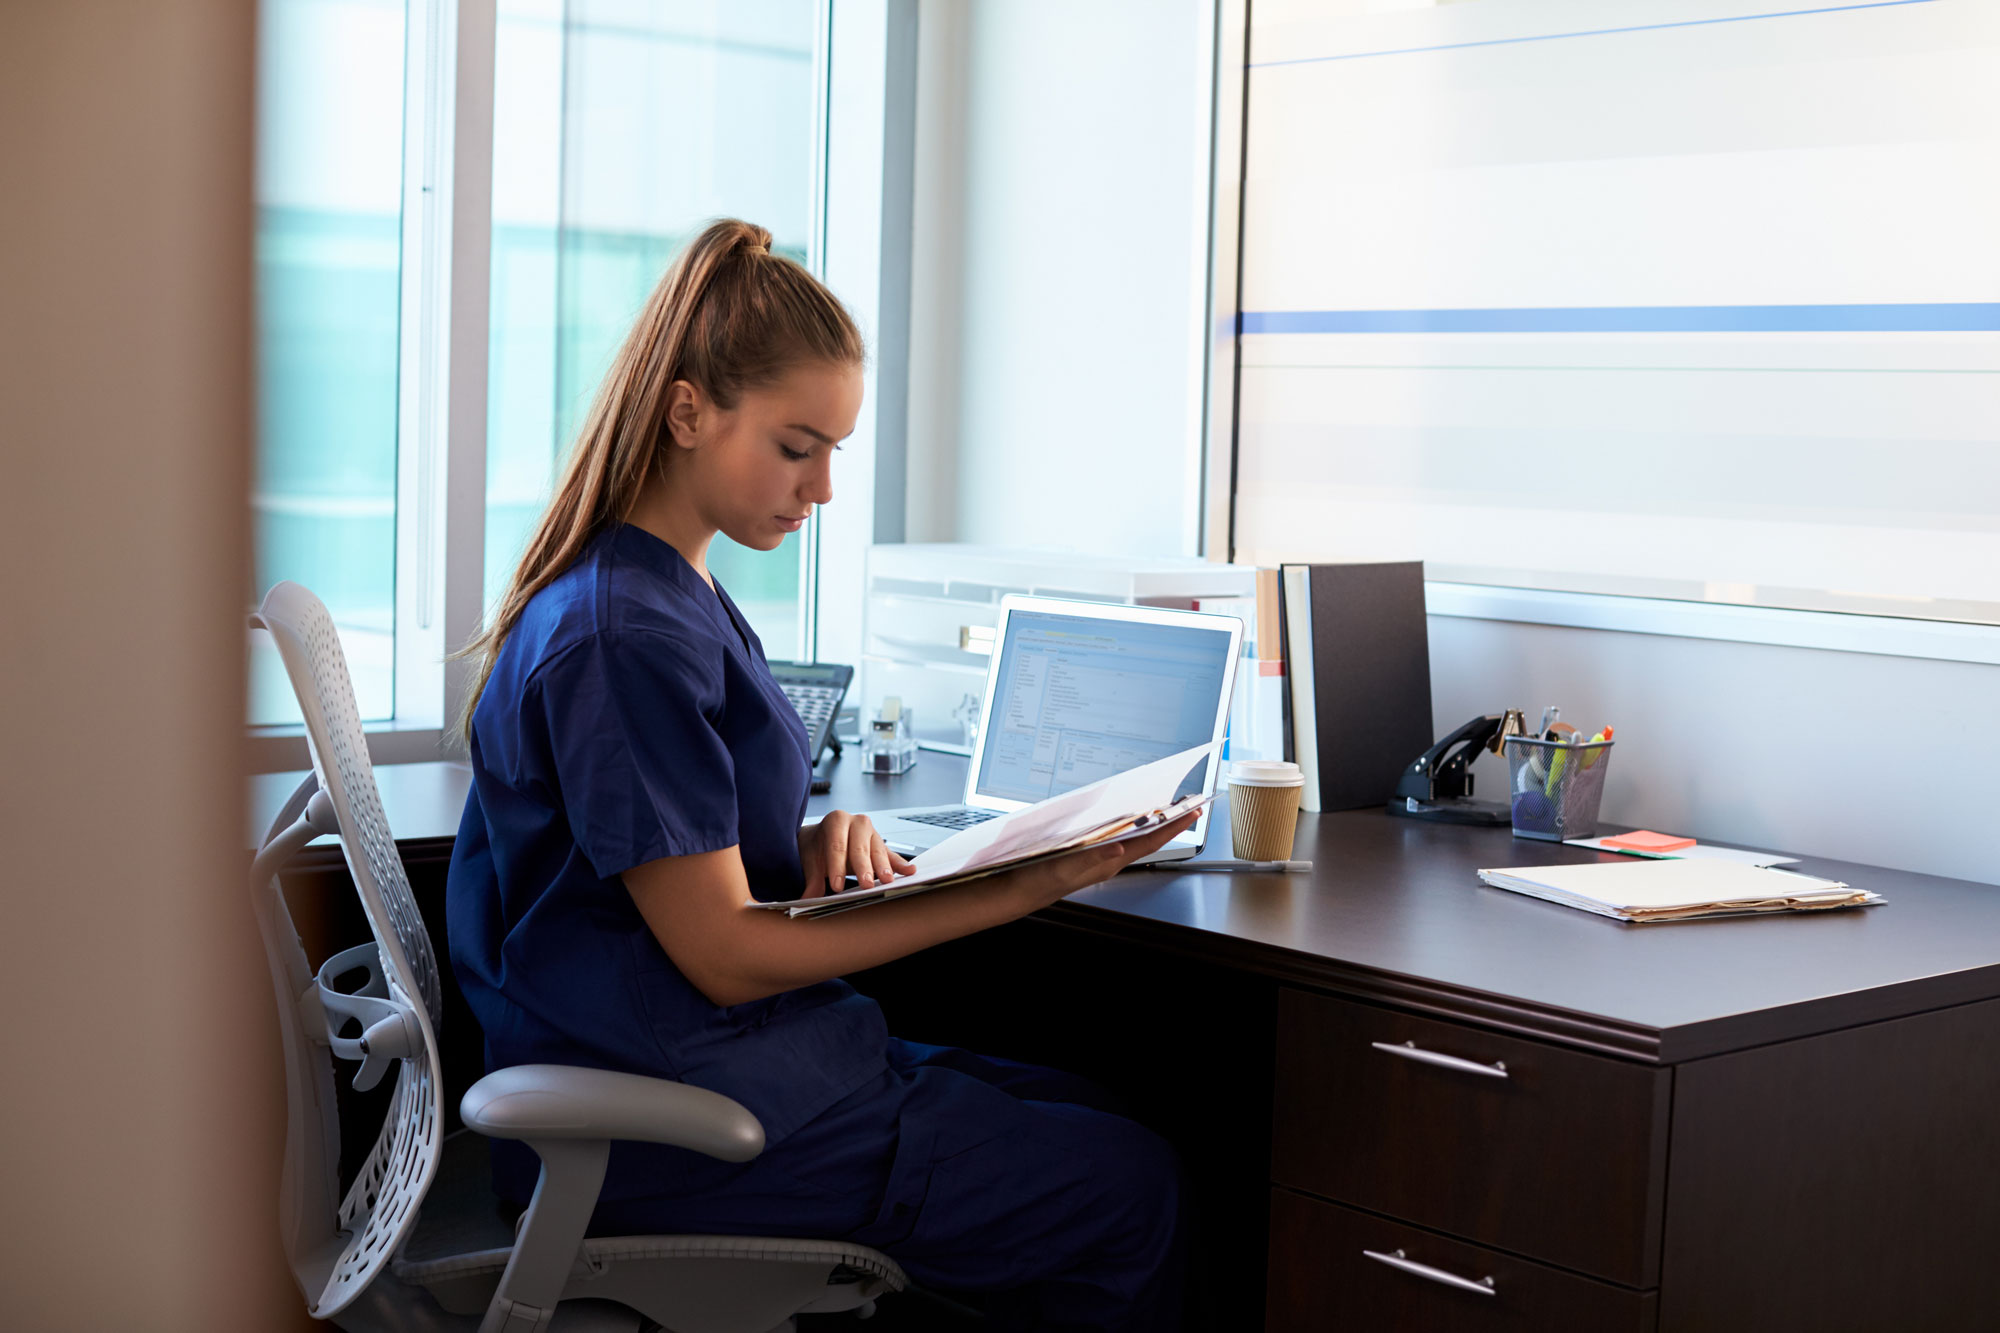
x=1565, y=736
x=1558, y=761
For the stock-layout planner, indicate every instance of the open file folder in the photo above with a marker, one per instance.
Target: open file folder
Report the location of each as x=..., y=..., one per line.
x=1677, y=890
x=1123, y=806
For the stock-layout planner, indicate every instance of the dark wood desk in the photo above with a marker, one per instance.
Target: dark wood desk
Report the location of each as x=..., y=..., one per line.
x=1759, y=1124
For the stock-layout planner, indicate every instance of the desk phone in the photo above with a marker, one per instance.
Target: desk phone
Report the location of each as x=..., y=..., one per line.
x=815, y=690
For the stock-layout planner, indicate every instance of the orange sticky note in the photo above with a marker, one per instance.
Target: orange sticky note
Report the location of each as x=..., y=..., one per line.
x=1645, y=840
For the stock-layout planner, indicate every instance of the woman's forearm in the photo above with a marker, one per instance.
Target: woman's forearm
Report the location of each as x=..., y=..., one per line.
x=774, y=953
x=734, y=954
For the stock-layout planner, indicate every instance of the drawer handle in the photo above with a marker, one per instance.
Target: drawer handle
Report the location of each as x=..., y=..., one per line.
x=1409, y=1050
x=1397, y=1259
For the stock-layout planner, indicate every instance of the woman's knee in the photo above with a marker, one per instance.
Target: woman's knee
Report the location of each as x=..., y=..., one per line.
x=1140, y=1183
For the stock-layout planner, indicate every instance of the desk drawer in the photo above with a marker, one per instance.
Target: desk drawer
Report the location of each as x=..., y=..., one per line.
x=1323, y=1278
x=1561, y=1155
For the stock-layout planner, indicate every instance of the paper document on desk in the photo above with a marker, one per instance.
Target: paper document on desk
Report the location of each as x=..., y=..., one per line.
x=1677, y=890
x=1122, y=806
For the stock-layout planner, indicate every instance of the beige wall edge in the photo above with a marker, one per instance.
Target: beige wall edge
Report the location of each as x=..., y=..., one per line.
x=141, y=1126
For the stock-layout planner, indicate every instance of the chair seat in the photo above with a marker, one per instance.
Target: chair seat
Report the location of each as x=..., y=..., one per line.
x=462, y=1242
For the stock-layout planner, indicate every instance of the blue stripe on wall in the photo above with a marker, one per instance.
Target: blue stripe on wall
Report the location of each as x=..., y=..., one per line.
x=1932, y=317
x=1589, y=32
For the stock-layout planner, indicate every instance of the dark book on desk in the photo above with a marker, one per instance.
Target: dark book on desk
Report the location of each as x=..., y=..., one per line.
x=1358, y=672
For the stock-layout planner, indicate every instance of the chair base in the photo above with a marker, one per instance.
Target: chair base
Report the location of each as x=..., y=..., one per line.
x=687, y=1284
x=445, y=1277
x=388, y=1306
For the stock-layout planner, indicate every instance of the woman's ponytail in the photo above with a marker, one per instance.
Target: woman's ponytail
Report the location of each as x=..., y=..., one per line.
x=730, y=314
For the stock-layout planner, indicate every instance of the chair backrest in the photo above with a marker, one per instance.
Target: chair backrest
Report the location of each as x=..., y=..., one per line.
x=336, y=1253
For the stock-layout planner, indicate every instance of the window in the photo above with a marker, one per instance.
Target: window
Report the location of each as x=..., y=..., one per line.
x=1685, y=306
x=620, y=129
x=329, y=298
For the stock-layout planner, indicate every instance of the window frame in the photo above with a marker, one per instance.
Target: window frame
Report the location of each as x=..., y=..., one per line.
x=867, y=146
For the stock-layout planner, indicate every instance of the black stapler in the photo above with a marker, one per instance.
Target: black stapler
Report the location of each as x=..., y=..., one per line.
x=1438, y=786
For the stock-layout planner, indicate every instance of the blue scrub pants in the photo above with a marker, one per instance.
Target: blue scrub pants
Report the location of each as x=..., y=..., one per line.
x=978, y=1175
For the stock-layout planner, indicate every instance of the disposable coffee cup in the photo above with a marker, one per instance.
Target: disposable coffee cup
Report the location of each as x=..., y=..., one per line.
x=1264, y=808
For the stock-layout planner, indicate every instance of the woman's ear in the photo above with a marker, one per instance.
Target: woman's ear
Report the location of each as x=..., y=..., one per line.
x=687, y=409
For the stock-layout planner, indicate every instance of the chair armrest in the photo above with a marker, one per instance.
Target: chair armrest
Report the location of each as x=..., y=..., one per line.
x=550, y=1102
x=569, y=1115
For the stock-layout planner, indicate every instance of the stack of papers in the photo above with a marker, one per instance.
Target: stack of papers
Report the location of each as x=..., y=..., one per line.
x=1119, y=807
x=1676, y=890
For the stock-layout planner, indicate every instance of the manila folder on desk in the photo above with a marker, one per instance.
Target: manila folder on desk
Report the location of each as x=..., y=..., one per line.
x=1673, y=890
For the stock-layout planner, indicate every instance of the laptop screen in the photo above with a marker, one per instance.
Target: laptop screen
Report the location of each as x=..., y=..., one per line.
x=1077, y=698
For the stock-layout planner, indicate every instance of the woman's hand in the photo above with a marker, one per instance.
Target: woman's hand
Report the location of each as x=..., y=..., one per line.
x=1052, y=881
x=841, y=845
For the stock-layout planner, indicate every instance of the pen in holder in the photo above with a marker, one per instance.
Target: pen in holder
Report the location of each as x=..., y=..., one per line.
x=1556, y=787
x=889, y=742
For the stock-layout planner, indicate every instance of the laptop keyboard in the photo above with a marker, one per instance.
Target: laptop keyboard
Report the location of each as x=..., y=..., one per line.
x=963, y=817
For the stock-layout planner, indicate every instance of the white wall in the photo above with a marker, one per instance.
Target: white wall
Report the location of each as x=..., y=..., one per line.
x=1881, y=760
x=1059, y=273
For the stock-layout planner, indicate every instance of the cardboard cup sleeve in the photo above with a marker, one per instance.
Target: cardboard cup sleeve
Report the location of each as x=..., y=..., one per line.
x=1263, y=809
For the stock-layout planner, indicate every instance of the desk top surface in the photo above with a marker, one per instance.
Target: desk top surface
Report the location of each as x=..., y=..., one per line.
x=1393, y=912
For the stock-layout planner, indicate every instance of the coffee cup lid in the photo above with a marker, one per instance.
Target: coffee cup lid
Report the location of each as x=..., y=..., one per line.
x=1265, y=773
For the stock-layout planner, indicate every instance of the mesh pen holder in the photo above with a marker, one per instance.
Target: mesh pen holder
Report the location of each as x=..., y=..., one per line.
x=1556, y=788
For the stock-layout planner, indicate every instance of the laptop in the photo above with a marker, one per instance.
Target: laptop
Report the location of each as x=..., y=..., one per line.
x=1078, y=691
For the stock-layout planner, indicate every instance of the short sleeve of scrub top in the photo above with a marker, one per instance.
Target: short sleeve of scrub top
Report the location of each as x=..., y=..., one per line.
x=631, y=716
x=642, y=770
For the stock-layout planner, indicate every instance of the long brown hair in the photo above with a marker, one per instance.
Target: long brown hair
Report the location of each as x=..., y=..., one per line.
x=729, y=315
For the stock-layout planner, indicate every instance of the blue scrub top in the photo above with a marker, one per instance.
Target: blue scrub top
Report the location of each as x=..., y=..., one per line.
x=631, y=715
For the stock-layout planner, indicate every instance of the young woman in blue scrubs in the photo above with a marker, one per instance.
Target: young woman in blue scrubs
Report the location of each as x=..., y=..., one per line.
x=638, y=776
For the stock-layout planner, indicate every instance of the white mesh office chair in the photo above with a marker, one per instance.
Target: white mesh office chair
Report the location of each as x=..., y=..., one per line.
x=417, y=1244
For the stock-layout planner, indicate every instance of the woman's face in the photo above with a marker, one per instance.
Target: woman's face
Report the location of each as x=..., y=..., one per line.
x=756, y=470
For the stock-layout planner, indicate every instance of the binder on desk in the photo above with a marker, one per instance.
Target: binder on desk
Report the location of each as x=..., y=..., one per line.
x=1359, y=670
